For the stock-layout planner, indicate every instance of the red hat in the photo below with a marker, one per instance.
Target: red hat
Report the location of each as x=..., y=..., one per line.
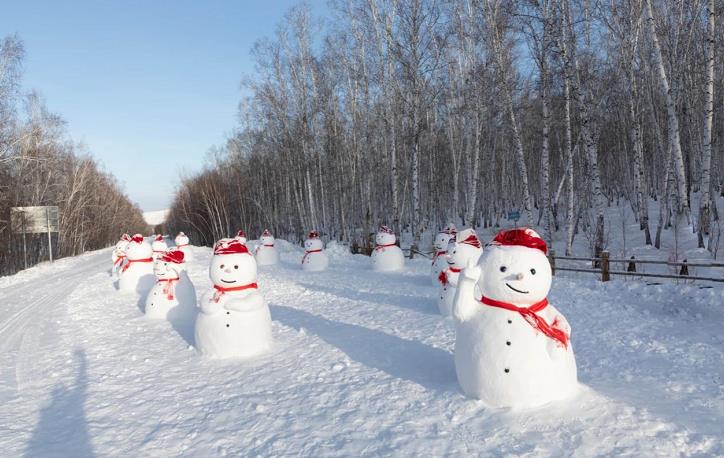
x=313, y=235
x=138, y=238
x=520, y=237
x=159, y=238
x=468, y=237
x=126, y=238
x=230, y=246
x=385, y=229
x=173, y=255
x=240, y=234
x=266, y=233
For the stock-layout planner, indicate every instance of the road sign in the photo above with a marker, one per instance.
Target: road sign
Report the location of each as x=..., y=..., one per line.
x=514, y=215
x=34, y=220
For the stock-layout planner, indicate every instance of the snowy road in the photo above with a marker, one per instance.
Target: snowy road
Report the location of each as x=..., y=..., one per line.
x=362, y=365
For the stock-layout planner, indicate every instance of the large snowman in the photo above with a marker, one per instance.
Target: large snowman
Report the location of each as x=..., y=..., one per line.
x=512, y=348
x=182, y=243
x=387, y=256
x=234, y=320
x=463, y=249
x=158, y=246
x=266, y=253
x=137, y=273
x=314, y=259
x=173, y=288
x=118, y=255
x=439, y=259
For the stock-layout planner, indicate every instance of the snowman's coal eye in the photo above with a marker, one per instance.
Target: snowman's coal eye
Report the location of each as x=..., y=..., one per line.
x=221, y=266
x=532, y=271
x=236, y=267
x=503, y=268
x=165, y=264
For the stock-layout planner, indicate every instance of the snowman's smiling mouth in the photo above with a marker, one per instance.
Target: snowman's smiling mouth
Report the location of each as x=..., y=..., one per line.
x=516, y=290
x=232, y=281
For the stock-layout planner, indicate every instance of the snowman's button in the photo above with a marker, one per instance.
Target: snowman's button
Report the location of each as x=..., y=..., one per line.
x=228, y=313
x=510, y=321
x=227, y=325
x=507, y=343
x=507, y=370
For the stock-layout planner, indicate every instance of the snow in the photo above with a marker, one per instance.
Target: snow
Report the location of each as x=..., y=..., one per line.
x=362, y=364
x=156, y=217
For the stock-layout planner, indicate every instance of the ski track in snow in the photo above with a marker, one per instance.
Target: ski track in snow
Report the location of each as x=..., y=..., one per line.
x=362, y=365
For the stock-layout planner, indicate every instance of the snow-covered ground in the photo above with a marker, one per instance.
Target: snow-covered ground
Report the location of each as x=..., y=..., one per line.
x=362, y=365
x=154, y=218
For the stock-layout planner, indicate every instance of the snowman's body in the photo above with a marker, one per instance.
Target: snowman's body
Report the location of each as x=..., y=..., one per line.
x=159, y=247
x=266, y=253
x=500, y=357
x=439, y=258
x=182, y=243
x=234, y=321
x=460, y=254
x=314, y=259
x=137, y=274
x=173, y=289
x=387, y=257
x=118, y=257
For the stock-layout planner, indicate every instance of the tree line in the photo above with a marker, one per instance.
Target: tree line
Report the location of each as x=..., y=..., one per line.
x=417, y=112
x=39, y=165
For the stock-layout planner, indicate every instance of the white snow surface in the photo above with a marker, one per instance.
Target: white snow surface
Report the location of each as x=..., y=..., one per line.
x=362, y=365
x=156, y=217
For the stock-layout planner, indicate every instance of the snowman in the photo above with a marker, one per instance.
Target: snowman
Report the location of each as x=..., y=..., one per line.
x=439, y=261
x=387, y=256
x=118, y=255
x=512, y=348
x=314, y=259
x=266, y=253
x=137, y=273
x=182, y=243
x=158, y=246
x=241, y=237
x=234, y=320
x=173, y=287
x=464, y=248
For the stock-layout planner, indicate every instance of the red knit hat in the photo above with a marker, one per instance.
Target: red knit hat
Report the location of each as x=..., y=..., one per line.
x=468, y=237
x=521, y=237
x=159, y=238
x=138, y=238
x=241, y=234
x=126, y=238
x=173, y=255
x=385, y=229
x=313, y=235
x=266, y=233
x=230, y=246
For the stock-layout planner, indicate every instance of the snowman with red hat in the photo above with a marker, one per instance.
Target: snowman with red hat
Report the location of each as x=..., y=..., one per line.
x=173, y=287
x=234, y=319
x=182, y=243
x=464, y=248
x=440, y=245
x=266, y=253
x=314, y=259
x=387, y=257
x=241, y=237
x=118, y=255
x=512, y=348
x=137, y=272
x=158, y=246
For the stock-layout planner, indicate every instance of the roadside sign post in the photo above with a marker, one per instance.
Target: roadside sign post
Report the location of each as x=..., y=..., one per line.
x=514, y=215
x=35, y=220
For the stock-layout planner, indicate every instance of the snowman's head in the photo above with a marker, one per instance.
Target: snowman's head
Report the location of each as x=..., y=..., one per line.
x=266, y=237
x=159, y=244
x=138, y=248
x=441, y=241
x=232, y=265
x=464, y=247
x=181, y=239
x=385, y=236
x=241, y=236
x=515, y=268
x=169, y=264
x=121, y=247
x=313, y=242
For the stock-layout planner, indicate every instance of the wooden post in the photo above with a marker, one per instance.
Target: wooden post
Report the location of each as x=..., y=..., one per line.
x=631, y=265
x=552, y=261
x=605, y=275
x=684, y=269
x=412, y=250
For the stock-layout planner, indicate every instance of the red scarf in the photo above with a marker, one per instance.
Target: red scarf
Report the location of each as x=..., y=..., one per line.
x=169, y=289
x=131, y=261
x=306, y=253
x=119, y=259
x=437, y=255
x=535, y=320
x=443, y=276
x=183, y=244
x=382, y=247
x=220, y=290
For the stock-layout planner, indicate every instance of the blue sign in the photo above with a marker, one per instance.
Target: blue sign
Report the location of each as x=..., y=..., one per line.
x=514, y=215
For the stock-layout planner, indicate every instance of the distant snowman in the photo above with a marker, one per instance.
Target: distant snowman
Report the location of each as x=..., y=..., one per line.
x=266, y=253
x=137, y=272
x=440, y=244
x=234, y=320
x=387, y=257
x=512, y=348
x=241, y=237
x=182, y=243
x=118, y=255
x=314, y=259
x=463, y=249
x=158, y=246
x=173, y=288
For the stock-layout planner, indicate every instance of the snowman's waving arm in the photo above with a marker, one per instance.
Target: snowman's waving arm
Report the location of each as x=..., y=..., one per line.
x=250, y=302
x=465, y=302
x=208, y=305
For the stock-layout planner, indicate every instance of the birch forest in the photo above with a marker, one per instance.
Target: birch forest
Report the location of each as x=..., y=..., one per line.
x=40, y=165
x=414, y=113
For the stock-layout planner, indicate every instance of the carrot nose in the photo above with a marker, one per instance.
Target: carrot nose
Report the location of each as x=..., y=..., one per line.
x=519, y=276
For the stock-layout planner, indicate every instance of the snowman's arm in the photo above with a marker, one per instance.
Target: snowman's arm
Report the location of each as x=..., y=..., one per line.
x=557, y=320
x=252, y=301
x=465, y=302
x=208, y=305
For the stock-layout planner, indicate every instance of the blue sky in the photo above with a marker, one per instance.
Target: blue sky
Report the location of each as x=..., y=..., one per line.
x=148, y=86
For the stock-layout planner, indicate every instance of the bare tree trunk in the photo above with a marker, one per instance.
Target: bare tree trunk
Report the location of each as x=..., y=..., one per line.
x=705, y=202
